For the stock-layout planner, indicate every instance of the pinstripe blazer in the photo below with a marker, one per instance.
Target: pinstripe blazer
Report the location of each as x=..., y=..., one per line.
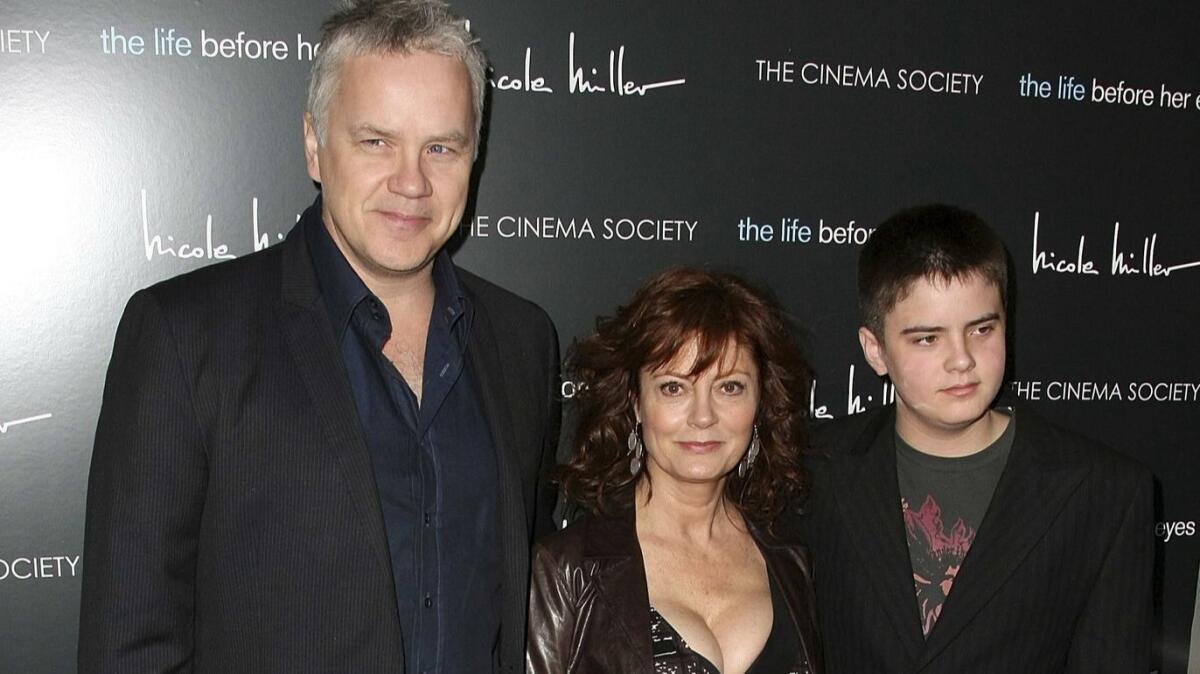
x=233, y=523
x=1059, y=578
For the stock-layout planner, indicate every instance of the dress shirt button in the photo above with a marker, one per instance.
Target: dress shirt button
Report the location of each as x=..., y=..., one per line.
x=428, y=519
x=428, y=600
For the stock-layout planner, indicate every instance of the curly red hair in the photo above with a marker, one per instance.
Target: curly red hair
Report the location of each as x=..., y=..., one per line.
x=673, y=308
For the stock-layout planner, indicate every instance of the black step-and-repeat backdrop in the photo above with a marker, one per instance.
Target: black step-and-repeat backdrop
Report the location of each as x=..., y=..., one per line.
x=144, y=138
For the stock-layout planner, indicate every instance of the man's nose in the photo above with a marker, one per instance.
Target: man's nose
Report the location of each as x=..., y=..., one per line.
x=408, y=178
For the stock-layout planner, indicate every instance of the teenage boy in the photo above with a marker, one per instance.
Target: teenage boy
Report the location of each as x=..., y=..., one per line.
x=949, y=533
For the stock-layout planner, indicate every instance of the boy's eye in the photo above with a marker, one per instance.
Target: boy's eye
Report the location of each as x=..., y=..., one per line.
x=926, y=340
x=985, y=329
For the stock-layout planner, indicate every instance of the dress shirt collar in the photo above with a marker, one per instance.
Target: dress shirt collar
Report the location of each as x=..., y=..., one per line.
x=343, y=290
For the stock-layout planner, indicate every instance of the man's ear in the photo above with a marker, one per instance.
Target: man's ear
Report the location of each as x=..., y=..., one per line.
x=310, y=148
x=872, y=350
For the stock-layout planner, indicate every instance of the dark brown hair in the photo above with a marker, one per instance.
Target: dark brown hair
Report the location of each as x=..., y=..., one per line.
x=672, y=308
x=934, y=242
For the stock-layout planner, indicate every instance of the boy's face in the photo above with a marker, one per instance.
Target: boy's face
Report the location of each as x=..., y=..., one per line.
x=943, y=348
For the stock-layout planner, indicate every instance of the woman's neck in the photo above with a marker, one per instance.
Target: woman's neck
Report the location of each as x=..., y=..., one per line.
x=692, y=513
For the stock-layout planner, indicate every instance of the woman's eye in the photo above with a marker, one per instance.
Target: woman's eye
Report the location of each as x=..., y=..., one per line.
x=671, y=388
x=733, y=387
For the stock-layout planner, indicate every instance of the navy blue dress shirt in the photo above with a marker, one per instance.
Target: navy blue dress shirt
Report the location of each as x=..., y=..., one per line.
x=434, y=462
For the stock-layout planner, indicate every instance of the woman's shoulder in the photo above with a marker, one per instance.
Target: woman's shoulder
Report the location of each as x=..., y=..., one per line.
x=781, y=544
x=590, y=537
x=562, y=544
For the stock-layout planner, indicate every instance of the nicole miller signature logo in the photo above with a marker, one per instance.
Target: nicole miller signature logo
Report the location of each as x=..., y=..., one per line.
x=1125, y=260
x=5, y=425
x=155, y=245
x=613, y=76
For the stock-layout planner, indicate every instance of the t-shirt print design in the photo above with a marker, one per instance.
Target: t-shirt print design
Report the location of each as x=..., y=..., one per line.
x=936, y=556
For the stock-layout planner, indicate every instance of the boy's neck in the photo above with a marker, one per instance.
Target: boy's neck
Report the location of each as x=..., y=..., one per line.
x=950, y=442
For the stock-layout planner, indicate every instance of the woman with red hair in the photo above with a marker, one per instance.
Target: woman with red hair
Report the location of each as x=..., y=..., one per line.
x=689, y=440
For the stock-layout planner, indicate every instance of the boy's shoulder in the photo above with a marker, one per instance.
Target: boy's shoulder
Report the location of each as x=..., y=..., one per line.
x=1053, y=444
x=1057, y=445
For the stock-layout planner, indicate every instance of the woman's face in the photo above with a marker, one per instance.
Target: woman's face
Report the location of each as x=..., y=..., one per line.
x=697, y=428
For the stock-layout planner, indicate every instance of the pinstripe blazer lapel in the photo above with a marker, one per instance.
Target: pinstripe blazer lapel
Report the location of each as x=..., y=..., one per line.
x=487, y=368
x=868, y=497
x=1032, y=491
x=305, y=325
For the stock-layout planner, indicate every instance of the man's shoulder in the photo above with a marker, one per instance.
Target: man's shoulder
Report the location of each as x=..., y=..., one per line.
x=495, y=297
x=250, y=279
x=221, y=305
x=510, y=312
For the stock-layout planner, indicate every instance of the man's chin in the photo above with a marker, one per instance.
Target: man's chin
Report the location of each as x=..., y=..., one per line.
x=399, y=268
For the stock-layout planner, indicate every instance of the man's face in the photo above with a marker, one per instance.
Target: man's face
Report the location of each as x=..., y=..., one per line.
x=396, y=160
x=943, y=348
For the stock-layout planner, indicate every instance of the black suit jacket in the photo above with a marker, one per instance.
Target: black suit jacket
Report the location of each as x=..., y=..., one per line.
x=589, y=610
x=233, y=523
x=1058, y=578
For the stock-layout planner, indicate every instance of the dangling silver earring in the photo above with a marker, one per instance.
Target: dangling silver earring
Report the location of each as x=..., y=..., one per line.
x=747, y=461
x=635, y=448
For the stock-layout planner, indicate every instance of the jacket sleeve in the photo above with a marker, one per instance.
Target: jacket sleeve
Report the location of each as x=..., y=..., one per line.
x=1115, y=628
x=145, y=496
x=552, y=616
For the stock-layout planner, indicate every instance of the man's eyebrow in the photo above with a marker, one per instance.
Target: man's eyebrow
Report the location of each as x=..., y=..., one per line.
x=367, y=129
x=450, y=137
x=994, y=316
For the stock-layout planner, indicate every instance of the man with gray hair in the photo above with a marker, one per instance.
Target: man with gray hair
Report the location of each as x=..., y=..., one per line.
x=326, y=456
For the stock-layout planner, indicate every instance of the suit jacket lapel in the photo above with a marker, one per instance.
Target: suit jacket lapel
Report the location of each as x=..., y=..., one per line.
x=868, y=497
x=515, y=523
x=487, y=368
x=1035, y=485
x=318, y=359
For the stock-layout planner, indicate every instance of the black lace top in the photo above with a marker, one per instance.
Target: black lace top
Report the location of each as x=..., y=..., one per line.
x=673, y=656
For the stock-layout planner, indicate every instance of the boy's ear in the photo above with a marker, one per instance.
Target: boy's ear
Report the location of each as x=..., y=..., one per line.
x=872, y=350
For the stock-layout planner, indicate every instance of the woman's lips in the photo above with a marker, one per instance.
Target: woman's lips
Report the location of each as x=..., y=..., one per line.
x=706, y=446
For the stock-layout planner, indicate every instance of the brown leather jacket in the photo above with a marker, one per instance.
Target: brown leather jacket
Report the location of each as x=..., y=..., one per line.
x=589, y=611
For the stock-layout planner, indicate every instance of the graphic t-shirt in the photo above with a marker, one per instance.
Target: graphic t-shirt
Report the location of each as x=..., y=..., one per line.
x=944, y=500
